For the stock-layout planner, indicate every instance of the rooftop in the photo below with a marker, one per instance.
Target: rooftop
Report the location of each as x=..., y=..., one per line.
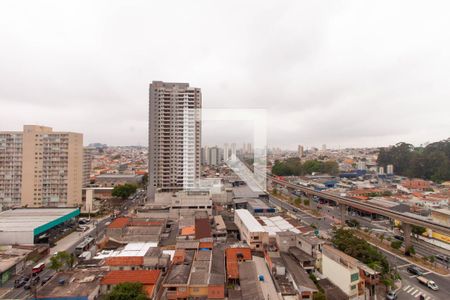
x=37, y=220
x=299, y=274
x=249, y=220
x=76, y=284
x=145, y=277
x=232, y=260
x=248, y=278
x=125, y=261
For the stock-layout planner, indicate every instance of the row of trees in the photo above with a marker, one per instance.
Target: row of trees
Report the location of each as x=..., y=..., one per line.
x=295, y=167
x=431, y=162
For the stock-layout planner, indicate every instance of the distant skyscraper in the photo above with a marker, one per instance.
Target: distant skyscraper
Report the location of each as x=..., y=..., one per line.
x=174, y=136
x=381, y=171
x=300, y=151
x=214, y=154
x=40, y=167
x=324, y=147
x=233, y=150
x=226, y=152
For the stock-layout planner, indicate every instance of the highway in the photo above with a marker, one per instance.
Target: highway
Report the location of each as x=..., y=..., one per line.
x=364, y=206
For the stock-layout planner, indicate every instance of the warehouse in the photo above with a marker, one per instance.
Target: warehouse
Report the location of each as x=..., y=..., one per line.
x=32, y=225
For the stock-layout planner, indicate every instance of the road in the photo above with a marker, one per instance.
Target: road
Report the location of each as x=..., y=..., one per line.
x=97, y=230
x=411, y=288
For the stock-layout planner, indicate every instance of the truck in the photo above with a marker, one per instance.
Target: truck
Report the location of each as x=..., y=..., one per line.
x=429, y=283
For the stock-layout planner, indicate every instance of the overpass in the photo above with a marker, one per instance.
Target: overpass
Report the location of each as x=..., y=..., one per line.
x=345, y=202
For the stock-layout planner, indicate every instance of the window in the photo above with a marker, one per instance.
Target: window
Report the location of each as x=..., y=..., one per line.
x=354, y=277
x=353, y=287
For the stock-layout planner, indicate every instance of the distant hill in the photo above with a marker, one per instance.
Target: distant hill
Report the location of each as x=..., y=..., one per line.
x=431, y=162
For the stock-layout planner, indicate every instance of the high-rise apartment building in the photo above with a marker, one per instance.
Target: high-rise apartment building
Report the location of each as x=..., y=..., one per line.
x=40, y=167
x=174, y=136
x=226, y=152
x=88, y=156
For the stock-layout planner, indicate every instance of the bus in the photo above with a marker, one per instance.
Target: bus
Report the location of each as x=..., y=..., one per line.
x=85, y=245
x=38, y=268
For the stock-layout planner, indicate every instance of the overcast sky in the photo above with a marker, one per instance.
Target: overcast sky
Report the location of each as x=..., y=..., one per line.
x=341, y=73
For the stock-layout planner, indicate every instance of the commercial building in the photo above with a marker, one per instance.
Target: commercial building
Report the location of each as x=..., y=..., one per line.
x=174, y=136
x=40, y=167
x=250, y=230
x=29, y=225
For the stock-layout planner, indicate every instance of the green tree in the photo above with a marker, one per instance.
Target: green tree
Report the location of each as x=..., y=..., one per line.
x=395, y=244
x=431, y=162
x=410, y=251
x=62, y=259
x=306, y=202
x=127, y=291
x=55, y=264
x=418, y=230
x=319, y=296
x=124, y=191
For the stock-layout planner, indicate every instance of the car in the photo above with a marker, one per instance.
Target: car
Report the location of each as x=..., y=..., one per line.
x=46, y=279
x=442, y=258
x=399, y=237
x=21, y=281
x=352, y=223
x=391, y=295
x=32, y=282
x=415, y=270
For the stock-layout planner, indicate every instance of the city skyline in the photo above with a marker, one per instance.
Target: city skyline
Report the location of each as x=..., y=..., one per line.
x=329, y=75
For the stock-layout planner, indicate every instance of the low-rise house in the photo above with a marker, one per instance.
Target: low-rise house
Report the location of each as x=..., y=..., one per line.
x=234, y=257
x=150, y=280
x=126, y=229
x=299, y=277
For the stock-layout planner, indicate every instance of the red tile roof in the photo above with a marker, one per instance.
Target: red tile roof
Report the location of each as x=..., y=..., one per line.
x=146, y=277
x=202, y=228
x=231, y=255
x=125, y=261
x=208, y=245
x=119, y=223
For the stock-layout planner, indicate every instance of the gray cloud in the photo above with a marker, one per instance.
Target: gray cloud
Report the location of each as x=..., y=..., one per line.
x=344, y=73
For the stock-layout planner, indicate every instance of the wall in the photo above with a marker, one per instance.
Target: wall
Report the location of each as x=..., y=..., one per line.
x=15, y=237
x=339, y=275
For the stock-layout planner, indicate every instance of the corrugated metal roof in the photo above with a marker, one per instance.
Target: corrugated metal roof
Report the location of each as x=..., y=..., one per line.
x=250, y=222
